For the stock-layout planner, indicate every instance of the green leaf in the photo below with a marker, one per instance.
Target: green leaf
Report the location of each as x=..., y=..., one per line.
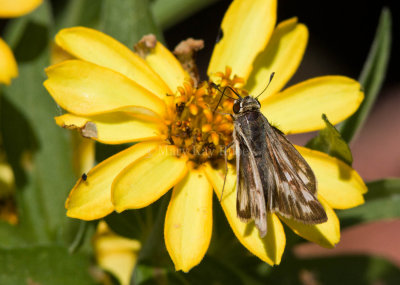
x=127, y=20
x=383, y=188
x=170, y=12
x=45, y=265
x=213, y=271
x=331, y=142
x=382, y=202
x=134, y=224
x=77, y=13
x=372, y=75
x=11, y=236
x=209, y=271
x=37, y=149
x=335, y=270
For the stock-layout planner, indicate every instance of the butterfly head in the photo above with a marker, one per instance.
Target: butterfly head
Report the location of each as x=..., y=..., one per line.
x=246, y=104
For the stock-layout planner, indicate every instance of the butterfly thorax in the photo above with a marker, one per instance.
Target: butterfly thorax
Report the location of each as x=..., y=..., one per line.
x=246, y=104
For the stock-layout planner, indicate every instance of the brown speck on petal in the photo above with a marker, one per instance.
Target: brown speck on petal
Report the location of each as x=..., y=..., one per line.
x=185, y=51
x=145, y=45
x=89, y=130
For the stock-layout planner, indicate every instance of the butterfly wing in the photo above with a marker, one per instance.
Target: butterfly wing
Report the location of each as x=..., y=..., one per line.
x=250, y=202
x=294, y=194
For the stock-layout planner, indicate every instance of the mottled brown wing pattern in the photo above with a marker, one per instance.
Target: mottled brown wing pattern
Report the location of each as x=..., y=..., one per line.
x=295, y=193
x=250, y=202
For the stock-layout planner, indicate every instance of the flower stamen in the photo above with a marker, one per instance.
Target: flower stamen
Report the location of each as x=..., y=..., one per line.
x=194, y=128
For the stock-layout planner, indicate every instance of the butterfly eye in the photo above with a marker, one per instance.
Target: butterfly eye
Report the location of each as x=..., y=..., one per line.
x=236, y=107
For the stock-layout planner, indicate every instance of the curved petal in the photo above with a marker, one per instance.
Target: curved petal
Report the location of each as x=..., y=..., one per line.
x=247, y=27
x=86, y=89
x=326, y=234
x=115, y=254
x=162, y=61
x=299, y=108
x=58, y=54
x=112, y=128
x=101, y=49
x=339, y=184
x=16, y=8
x=83, y=154
x=282, y=56
x=7, y=180
x=188, y=223
x=271, y=247
x=91, y=199
x=8, y=65
x=147, y=179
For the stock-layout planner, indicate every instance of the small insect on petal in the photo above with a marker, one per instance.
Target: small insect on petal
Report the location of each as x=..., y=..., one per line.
x=84, y=176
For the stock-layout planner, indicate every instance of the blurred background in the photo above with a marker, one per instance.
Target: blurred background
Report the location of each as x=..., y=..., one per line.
x=341, y=34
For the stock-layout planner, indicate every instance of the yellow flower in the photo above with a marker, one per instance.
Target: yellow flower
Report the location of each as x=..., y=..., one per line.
x=114, y=253
x=10, y=9
x=115, y=96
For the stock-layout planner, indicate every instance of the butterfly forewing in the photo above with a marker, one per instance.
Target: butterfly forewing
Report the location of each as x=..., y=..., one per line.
x=295, y=193
x=250, y=202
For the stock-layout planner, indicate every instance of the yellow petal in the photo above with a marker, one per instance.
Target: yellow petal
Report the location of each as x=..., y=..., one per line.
x=112, y=128
x=326, y=234
x=16, y=8
x=282, y=56
x=148, y=178
x=58, y=54
x=167, y=66
x=91, y=199
x=247, y=27
x=339, y=184
x=101, y=49
x=6, y=180
x=83, y=154
x=87, y=89
x=115, y=254
x=8, y=65
x=271, y=247
x=299, y=108
x=188, y=223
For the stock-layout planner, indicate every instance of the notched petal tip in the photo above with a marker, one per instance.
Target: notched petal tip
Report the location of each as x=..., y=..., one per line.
x=89, y=130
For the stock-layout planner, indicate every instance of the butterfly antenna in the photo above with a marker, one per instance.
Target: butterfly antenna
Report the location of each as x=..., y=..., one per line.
x=270, y=79
x=213, y=85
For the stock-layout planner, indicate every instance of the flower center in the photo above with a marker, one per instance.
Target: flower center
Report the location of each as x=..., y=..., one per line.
x=197, y=126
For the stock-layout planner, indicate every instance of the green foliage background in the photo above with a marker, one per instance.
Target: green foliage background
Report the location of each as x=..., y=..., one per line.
x=46, y=247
